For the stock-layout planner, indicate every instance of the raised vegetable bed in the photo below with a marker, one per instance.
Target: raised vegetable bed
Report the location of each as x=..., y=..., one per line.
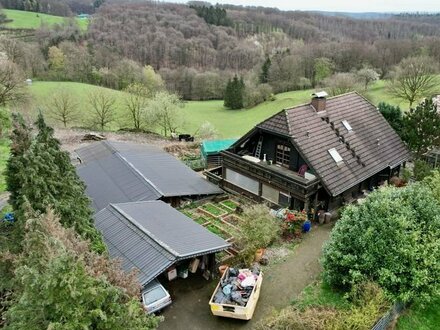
x=229, y=204
x=232, y=220
x=212, y=210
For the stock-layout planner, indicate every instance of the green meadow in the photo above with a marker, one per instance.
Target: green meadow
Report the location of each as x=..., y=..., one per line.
x=229, y=123
x=31, y=20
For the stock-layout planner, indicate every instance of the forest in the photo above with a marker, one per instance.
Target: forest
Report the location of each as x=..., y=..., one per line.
x=196, y=48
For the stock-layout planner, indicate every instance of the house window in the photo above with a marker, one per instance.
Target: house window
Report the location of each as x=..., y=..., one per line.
x=347, y=125
x=242, y=181
x=335, y=155
x=283, y=155
x=284, y=199
x=270, y=194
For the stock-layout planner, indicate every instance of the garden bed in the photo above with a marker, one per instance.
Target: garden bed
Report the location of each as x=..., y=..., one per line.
x=229, y=204
x=217, y=230
x=212, y=210
x=232, y=220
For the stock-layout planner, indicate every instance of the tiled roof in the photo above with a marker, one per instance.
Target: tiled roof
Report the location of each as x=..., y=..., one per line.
x=371, y=146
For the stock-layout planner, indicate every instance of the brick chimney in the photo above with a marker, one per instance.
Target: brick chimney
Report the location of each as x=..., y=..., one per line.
x=319, y=100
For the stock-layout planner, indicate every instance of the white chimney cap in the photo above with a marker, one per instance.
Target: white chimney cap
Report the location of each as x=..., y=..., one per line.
x=320, y=94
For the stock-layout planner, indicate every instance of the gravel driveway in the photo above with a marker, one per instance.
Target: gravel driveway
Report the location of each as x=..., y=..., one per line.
x=282, y=282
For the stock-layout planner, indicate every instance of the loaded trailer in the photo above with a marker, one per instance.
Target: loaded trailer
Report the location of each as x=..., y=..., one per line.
x=237, y=293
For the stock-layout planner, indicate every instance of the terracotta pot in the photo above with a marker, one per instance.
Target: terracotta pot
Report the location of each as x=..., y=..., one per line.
x=222, y=269
x=258, y=254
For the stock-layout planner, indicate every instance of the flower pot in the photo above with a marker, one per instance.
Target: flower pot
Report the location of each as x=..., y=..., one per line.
x=222, y=269
x=259, y=254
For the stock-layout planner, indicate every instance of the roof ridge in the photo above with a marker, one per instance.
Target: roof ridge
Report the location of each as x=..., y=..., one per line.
x=265, y=120
x=288, y=123
x=328, y=98
x=135, y=170
x=145, y=231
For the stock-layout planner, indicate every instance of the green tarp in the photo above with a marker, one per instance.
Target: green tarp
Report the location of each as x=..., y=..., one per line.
x=210, y=147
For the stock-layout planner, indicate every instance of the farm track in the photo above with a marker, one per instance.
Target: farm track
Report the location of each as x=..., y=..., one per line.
x=283, y=281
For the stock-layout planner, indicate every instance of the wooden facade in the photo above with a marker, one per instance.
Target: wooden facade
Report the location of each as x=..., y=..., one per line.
x=304, y=157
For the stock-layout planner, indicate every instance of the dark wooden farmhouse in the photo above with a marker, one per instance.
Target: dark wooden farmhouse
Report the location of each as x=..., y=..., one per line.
x=316, y=155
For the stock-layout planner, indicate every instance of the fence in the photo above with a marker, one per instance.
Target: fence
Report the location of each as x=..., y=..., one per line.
x=386, y=320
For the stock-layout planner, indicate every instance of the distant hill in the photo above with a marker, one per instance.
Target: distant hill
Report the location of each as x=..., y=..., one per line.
x=366, y=15
x=30, y=20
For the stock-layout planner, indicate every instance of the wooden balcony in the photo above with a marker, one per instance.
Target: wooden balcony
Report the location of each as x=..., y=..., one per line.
x=278, y=176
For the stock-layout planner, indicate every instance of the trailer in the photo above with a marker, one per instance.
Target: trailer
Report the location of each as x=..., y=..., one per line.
x=234, y=310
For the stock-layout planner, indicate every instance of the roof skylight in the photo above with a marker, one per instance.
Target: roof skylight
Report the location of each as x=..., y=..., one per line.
x=335, y=155
x=347, y=125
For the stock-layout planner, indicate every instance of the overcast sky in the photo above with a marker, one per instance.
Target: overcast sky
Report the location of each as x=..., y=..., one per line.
x=341, y=5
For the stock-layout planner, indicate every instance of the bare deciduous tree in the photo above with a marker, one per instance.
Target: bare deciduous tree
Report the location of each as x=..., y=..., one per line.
x=135, y=103
x=103, y=108
x=367, y=76
x=341, y=83
x=12, y=87
x=414, y=78
x=63, y=107
x=166, y=109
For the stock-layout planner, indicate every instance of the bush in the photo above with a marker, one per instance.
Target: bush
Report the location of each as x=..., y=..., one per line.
x=433, y=182
x=365, y=304
x=392, y=239
x=421, y=169
x=254, y=95
x=259, y=229
x=393, y=115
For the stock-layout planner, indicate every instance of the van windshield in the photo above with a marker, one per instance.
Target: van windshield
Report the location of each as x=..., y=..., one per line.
x=154, y=295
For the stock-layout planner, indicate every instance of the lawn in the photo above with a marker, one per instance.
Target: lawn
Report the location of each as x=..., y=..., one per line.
x=420, y=318
x=321, y=294
x=42, y=92
x=31, y=20
x=4, y=155
x=229, y=123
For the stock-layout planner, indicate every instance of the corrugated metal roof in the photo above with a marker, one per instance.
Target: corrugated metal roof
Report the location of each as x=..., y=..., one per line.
x=135, y=249
x=370, y=147
x=126, y=172
x=151, y=236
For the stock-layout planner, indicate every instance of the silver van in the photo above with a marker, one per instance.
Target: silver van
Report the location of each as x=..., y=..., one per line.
x=155, y=297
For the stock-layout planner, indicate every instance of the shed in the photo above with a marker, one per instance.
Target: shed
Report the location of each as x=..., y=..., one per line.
x=152, y=236
x=119, y=172
x=211, y=149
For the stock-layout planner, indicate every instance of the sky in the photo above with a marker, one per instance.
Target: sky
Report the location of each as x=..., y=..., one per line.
x=340, y=5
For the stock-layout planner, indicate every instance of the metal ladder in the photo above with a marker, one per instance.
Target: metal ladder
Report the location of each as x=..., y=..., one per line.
x=259, y=147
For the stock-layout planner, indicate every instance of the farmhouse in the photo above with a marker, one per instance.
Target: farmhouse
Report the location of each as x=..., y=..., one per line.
x=152, y=237
x=316, y=155
x=119, y=172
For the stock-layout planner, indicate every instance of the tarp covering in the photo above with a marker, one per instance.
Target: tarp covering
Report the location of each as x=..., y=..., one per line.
x=210, y=147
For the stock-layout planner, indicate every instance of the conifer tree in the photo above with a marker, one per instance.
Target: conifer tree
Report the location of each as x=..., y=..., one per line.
x=60, y=284
x=228, y=94
x=21, y=140
x=421, y=127
x=264, y=75
x=234, y=93
x=47, y=179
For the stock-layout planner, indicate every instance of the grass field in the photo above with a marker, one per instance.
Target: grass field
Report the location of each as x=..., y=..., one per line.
x=229, y=123
x=41, y=93
x=31, y=20
x=419, y=318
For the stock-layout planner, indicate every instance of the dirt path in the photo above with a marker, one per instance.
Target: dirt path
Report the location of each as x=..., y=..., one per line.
x=282, y=282
x=3, y=200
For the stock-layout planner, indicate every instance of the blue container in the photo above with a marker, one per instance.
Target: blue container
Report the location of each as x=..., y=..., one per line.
x=307, y=226
x=9, y=217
